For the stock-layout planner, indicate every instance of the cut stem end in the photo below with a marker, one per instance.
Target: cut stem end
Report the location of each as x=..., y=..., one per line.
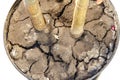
x=77, y=33
x=35, y=13
x=79, y=17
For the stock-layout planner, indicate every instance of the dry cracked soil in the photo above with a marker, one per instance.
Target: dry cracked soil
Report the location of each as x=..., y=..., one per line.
x=54, y=54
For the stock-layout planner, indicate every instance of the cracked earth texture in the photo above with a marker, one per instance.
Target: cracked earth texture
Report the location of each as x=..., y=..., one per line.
x=53, y=54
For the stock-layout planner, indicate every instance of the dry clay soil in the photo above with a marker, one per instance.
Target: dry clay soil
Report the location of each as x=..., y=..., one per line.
x=54, y=54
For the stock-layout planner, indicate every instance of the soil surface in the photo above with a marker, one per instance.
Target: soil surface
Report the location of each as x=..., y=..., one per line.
x=55, y=54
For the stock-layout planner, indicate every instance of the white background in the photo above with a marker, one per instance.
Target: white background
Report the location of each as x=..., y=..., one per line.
x=7, y=70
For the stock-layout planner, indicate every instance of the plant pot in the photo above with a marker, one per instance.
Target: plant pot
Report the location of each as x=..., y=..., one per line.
x=54, y=54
